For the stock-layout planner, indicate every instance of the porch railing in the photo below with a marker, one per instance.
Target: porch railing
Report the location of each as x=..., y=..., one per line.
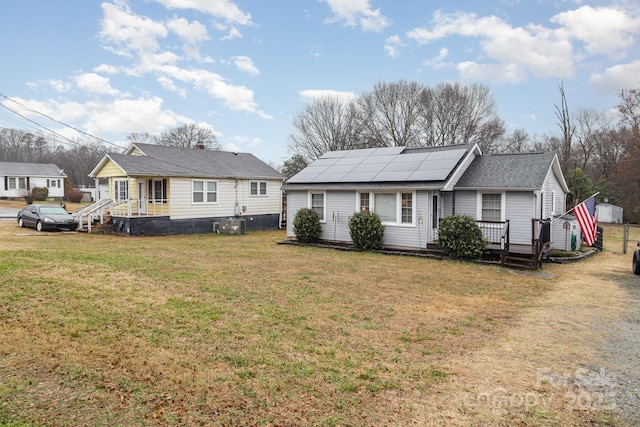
x=540, y=239
x=497, y=233
x=141, y=207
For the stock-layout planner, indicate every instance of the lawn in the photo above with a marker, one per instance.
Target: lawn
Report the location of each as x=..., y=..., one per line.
x=234, y=330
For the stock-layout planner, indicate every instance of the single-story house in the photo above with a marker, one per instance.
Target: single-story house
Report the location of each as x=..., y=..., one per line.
x=608, y=213
x=412, y=189
x=156, y=190
x=17, y=178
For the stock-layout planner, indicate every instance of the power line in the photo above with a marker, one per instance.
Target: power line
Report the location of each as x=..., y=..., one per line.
x=54, y=120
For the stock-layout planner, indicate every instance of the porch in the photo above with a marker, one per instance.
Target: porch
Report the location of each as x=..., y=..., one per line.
x=102, y=211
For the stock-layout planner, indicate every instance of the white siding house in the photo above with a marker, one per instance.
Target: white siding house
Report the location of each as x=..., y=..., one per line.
x=167, y=190
x=413, y=189
x=17, y=178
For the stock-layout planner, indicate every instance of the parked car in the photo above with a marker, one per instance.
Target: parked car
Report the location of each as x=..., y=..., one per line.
x=636, y=260
x=46, y=217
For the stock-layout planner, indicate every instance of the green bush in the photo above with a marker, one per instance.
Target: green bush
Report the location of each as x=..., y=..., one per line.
x=306, y=225
x=461, y=238
x=366, y=230
x=40, y=193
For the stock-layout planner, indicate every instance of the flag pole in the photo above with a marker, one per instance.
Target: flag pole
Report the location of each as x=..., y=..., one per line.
x=579, y=203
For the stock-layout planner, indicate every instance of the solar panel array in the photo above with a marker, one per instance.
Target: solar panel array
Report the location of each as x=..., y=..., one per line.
x=386, y=164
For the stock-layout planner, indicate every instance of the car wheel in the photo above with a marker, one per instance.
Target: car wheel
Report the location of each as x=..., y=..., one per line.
x=39, y=226
x=20, y=222
x=636, y=262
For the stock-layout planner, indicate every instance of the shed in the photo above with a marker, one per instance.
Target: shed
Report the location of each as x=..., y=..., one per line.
x=606, y=212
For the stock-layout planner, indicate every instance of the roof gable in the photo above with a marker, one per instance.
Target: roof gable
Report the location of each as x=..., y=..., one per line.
x=525, y=171
x=157, y=160
x=31, y=169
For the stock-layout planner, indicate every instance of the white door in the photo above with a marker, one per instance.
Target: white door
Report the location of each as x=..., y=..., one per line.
x=142, y=199
x=434, y=217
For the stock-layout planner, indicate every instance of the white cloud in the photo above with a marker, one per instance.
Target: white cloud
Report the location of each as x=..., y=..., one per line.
x=605, y=30
x=622, y=76
x=59, y=86
x=518, y=51
x=310, y=94
x=244, y=63
x=223, y=9
x=94, y=83
x=357, y=12
x=392, y=46
x=438, y=61
x=106, y=69
x=191, y=32
x=170, y=85
x=129, y=32
x=233, y=33
x=231, y=146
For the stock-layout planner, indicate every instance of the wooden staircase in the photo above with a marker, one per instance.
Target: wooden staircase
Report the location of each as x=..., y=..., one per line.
x=94, y=216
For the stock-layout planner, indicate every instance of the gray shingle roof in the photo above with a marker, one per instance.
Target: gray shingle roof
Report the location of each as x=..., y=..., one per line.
x=171, y=161
x=31, y=169
x=515, y=171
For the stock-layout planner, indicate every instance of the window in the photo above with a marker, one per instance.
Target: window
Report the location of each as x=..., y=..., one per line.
x=364, y=202
x=212, y=192
x=407, y=208
x=53, y=183
x=317, y=204
x=553, y=203
x=258, y=188
x=122, y=190
x=12, y=184
x=22, y=183
x=205, y=191
x=492, y=207
x=396, y=208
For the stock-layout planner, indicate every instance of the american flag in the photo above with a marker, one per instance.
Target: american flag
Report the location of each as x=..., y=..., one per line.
x=586, y=214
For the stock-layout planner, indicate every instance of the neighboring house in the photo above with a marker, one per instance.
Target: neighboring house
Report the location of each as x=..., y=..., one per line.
x=413, y=189
x=155, y=190
x=17, y=178
x=608, y=213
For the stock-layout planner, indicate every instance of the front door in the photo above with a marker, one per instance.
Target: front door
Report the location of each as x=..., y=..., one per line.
x=435, y=216
x=142, y=199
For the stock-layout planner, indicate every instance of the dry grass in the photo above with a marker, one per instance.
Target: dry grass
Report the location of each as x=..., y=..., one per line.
x=237, y=330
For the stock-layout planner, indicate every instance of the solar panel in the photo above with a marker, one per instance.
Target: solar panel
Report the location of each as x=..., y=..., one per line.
x=384, y=164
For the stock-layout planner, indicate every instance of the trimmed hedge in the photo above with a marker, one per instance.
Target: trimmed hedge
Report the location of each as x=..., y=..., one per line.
x=366, y=230
x=40, y=193
x=306, y=225
x=461, y=238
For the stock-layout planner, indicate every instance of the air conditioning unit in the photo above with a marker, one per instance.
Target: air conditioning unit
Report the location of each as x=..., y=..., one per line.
x=232, y=226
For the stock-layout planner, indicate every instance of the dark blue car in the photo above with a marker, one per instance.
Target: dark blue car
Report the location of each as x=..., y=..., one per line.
x=46, y=217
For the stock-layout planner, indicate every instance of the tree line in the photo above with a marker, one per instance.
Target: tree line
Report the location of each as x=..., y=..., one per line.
x=597, y=152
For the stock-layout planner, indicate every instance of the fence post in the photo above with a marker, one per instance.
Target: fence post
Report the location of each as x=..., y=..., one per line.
x=625, y=238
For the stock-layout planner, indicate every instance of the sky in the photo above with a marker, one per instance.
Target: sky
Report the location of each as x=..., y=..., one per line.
x=245, y=68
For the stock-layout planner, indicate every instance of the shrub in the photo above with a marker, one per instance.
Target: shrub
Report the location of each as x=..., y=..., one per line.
x=461, y=238
x=74, y=196
x=306, y=225
x=40, y=193
x=366, y=230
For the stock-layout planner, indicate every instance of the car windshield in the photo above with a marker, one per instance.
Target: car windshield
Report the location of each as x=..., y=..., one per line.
x=53, y=210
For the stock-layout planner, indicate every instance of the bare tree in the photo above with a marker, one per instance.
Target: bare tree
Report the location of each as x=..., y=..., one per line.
x=564, y=122
x=458, y=114
x=590, y=126
x=391, y=113
x=189, y=136
x=517, y=142
x=629, y=107
x=325, y=124
x=141, y=137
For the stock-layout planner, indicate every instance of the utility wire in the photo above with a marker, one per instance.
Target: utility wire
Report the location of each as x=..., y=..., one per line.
x=54, y=120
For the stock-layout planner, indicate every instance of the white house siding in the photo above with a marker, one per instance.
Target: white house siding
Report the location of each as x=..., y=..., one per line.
x=296, y=200
x=520, y=209
x=182, y=206
x=554, y=200
x=466, y=203
x=341, y=205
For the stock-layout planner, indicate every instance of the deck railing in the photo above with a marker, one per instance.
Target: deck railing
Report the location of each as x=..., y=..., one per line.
x=141, y=207
x=540, y=239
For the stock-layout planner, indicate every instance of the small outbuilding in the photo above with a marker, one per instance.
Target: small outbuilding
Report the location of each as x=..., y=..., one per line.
x=608, y=213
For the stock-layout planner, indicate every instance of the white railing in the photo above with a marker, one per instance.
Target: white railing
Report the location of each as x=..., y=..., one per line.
x=141, y=207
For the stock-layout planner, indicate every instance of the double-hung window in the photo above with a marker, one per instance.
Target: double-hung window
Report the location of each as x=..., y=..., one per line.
x=204, y=191
x=121, y=190
x=12, y=183
x=317, y=202
x=258, y=188
x=492, y=207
